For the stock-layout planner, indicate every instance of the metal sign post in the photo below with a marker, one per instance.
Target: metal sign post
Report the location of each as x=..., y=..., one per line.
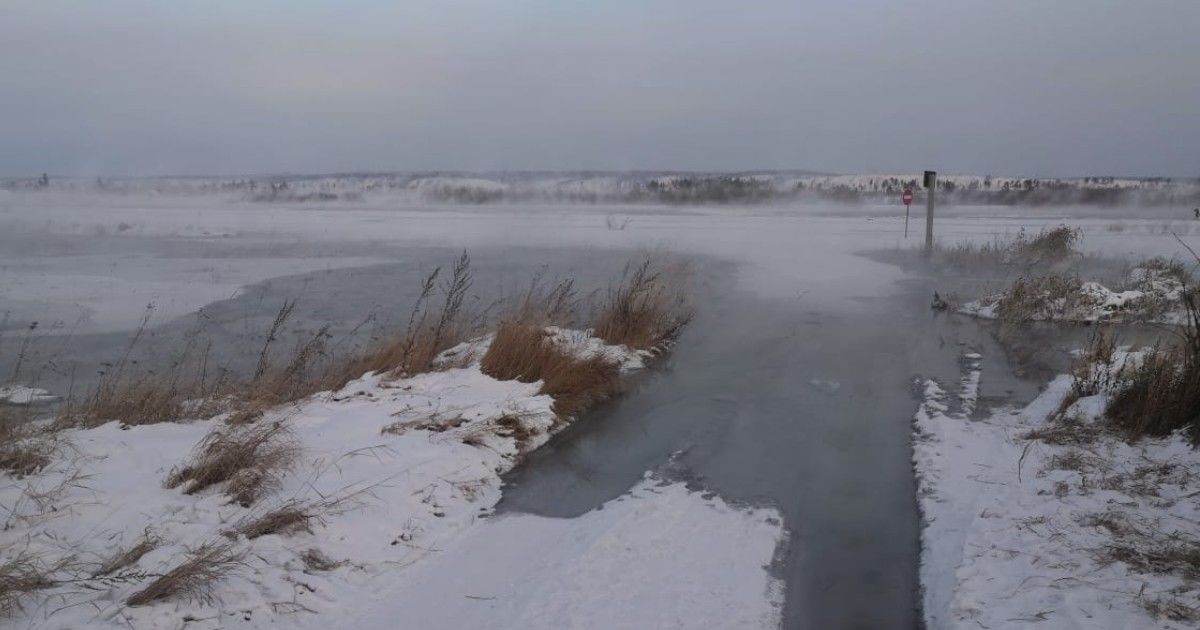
x=931, y=188
x=907, y=199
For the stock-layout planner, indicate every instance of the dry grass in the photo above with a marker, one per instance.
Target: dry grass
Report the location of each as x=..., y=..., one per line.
x=309, y=368
x=1073, y=459
x=249, y=459
x=1091, y=374
x=24, y=447
x=1171, y=609
x=646, y=309
x=19, y=577
x=1160, y=395
x=428, y=333
x=543, y=304
x=149, y=400
x=1145, y=549
x=1048, y=247
x=121, y=560
x=1065, y=432
x=193, y=578
x=527, y=354
x=315, y=560
x=1091, y=370
x=969, y=255
x=146, y=398
x=1174, y=557
x=578, y=385
x=1048, y=297
x=1168, y=268
x=290, y=517
x=435, y=423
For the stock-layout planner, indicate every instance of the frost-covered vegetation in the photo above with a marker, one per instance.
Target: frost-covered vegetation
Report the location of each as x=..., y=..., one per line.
x=1153, y=291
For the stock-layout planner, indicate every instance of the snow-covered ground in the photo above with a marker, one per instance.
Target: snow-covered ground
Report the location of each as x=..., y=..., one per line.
x=1021, y=531
x=662, y=556
x=391, y=473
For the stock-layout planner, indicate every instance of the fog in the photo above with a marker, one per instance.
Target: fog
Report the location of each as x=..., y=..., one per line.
x=1024, y=88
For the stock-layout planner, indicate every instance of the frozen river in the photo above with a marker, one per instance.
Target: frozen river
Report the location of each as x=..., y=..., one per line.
x=791, y=389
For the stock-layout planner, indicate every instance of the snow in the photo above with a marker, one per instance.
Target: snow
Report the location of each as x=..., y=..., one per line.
x=403, y=494
x=662, y=556
x=398, y=470
x=24, y=395
x=1011, y=534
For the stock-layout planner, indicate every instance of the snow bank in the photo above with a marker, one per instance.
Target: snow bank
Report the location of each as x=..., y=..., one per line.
x=391, y=499
x=1020, y=531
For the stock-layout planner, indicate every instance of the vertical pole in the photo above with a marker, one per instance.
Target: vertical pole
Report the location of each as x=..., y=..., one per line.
x=931, y=189
x=906, y=207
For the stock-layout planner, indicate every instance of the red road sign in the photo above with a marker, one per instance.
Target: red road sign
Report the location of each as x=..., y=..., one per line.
x=907, y=196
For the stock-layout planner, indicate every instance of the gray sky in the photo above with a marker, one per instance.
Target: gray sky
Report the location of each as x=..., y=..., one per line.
x=1065, y=87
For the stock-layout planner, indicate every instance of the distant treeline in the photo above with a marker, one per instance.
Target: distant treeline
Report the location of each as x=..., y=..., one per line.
x=742, y=190
x=650, y=188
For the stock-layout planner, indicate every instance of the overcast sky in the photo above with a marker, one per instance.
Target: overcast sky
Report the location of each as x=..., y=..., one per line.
x=1066, y=87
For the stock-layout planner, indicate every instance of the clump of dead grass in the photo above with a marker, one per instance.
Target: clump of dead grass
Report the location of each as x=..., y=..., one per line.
x=1065, y=432
x=149, y=397
x=1162, y=267
x=1092, y=373
x=1174, y=557
x=315, y=560
x=193, y=578
x=1144, y=548
x=20, y=576
x=529, y=354
x=148, y=542
x=289, y=517
x=1050, y=246
x=646, y=309
x=429, y=331
x=25, y=448
x=1072, y=459
x=249, y=459
x=148, y=400
x=545, y=304
x=1172, y=609
x=1047, y=297
x=1160, y=392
